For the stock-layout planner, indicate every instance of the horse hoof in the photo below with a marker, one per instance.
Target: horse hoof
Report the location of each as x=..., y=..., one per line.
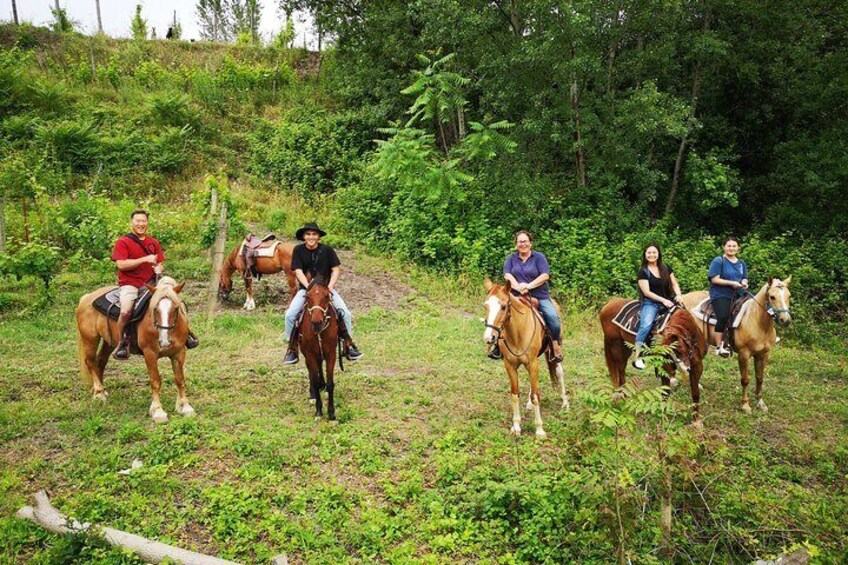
x=616, y=396
x=185, y=410
x=100, y=396
x=762, y=406
x=540, y=434
x=698, y=425
x=332, y=421
x=160, y=416
x=312, y=401
x=529, y=406
x=746, y=408
x=515, y=430
x=673, y=383
x=565, y=405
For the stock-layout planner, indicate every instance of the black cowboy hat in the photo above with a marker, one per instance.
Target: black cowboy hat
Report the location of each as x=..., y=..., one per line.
x=309, y=226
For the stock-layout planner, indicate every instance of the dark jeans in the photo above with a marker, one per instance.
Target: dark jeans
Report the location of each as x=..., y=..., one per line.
x=721, y=308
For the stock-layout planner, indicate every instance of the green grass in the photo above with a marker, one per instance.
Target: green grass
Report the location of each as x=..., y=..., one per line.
x=420, y=468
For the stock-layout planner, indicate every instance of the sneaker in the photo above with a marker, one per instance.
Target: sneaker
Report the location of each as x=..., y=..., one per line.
x=192, y=341
x=639, y=363
x=353, y=353
x=495, y=353
x=723, y=351
x=291, y=357
x=122, y=353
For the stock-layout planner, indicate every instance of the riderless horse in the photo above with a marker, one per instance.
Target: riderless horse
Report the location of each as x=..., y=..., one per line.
x=279, y=260
x=319, y=343
x=681, y=334
x=161, y=333
x=517, y=329
x=755, y=335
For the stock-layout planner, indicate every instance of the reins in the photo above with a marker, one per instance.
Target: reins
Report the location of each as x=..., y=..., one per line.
x=507, y=318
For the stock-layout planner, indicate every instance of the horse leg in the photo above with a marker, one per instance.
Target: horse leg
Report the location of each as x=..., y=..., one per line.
x=102, y=359
x=249, y=303
x=760, y=362
x=533, y=369
x=558, y=382
x=177, y=364
x=314, y=383
x=512, y=371
x=695, y=386
x=156, y=412
x=330, y=384
x=743, y=374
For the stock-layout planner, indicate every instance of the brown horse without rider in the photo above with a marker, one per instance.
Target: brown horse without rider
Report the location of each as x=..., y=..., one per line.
x=319, y=340
x=512, y=324
x=280, y=261
x=756, y=336
x=681, y=333
x=162, y=332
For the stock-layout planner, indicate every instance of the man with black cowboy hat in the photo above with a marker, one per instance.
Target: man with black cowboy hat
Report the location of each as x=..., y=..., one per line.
x=309, y=260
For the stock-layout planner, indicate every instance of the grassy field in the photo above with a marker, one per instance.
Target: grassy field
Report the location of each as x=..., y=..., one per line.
x=420, y=468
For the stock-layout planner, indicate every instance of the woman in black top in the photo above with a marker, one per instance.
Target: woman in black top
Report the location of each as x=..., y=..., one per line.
x=659, y=289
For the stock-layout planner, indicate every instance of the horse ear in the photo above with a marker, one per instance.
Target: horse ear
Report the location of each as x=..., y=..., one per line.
x=179, y=287
x=150, y=287
x=770, y=279
x=488, y=284
x=508, y=286
x=787, y=280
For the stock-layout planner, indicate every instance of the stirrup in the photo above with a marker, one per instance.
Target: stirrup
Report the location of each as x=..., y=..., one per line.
x=495, y=353
x=122, y=352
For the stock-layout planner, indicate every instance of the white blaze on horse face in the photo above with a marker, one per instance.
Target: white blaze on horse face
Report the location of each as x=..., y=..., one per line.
x=493, y=308
x=164, y=308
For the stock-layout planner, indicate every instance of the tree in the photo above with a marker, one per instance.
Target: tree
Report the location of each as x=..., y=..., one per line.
x=176, y=29
x=61, y=22
x=15, y=12
x=214, y=18
x=139, y=25
x=99, y=20
x=244, y=19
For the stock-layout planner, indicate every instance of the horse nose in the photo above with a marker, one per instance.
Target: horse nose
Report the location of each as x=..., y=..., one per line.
x=786, y=320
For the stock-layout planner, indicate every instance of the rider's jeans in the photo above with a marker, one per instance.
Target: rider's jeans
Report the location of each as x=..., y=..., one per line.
x=549, y=313
x=299, y=300
x=647, y=315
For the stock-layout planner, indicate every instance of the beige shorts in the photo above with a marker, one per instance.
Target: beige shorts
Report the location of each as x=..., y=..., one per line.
x=128, y=295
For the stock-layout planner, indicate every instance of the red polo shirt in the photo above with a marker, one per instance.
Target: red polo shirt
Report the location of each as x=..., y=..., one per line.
x=126, y=248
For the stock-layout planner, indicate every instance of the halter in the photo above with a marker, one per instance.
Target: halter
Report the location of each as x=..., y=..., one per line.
x=499, y=330
x=324, y=312
x=158, y=326
x=769, y=308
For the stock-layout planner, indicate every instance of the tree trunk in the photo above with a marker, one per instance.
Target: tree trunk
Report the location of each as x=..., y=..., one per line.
x=514, y=18
x=15, y=12
x=218, y=261
x=3, y=224
x=26, y=220
x=214, y=24
x=99, y=20
x=579, y=155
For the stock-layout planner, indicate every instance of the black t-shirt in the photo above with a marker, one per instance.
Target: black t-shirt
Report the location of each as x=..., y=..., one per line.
x=314, y=262
x=656, y=284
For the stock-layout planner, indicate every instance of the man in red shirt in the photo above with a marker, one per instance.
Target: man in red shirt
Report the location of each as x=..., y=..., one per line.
x=139, y=259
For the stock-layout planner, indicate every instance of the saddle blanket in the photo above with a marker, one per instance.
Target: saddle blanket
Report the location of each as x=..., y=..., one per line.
x=263, y=251
x=704, y=312
x=109, y=304
x=628, y=318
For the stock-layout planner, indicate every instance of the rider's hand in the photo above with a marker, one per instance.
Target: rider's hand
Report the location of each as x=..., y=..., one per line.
x=152, y=259
x=678, y=299
x=668, y=303
x=159, y=269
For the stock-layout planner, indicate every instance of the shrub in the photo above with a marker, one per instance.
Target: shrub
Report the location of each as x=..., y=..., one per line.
x=33, y=259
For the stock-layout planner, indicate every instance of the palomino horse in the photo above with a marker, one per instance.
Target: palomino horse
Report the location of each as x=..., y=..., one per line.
x=319, y=338
x=681, y=333
x=280, y=261
x=161, y=332
x=755, y=337
x=512, y=324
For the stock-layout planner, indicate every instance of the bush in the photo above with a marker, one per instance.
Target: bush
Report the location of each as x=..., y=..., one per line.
x=32, y=259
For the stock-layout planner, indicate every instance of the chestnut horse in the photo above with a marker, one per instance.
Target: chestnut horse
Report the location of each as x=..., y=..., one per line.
x=681, y=333
x=280, y=261
x=512, y=324
x=755, y=337
x=319, y=338
x=161, y=332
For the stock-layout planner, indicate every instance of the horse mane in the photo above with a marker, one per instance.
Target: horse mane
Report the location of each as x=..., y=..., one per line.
x=320, y=280
x=683, y=325
x=165, y=289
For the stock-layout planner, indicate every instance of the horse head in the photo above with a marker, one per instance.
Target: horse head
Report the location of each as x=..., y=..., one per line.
x=684, y=336
x=317, y=303
x=497, y=309
x=778, y=300
x=166, y=307
x=225, y=284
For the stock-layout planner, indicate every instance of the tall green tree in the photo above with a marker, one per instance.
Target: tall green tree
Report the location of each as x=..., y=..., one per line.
x=139, y=25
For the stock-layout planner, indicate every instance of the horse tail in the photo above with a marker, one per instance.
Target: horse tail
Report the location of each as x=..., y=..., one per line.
x=85, y=375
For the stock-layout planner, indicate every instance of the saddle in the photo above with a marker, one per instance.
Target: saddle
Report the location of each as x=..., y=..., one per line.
x=704, y=311
x=628, y=318
x=253, y=247
x=547, y=341
x=109, y=304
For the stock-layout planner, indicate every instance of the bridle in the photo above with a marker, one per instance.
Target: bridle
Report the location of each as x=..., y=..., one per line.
x=159, y=326
x=769, y=308
x=499, y=329
x=324, y=312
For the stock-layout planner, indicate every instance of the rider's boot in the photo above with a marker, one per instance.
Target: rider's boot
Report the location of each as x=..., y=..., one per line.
x=557, y=347
x=191, y=340
x=291, y=354
x=122, y=352
x=638, y=362
x=350, y=350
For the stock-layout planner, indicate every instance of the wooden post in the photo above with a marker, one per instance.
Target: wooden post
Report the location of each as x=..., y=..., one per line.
x=217, y=261
x=15, y=12
x=99, y=20
x=3, y=223
x=213, y=208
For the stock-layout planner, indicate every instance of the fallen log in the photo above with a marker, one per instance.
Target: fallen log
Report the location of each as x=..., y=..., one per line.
x=47, y=516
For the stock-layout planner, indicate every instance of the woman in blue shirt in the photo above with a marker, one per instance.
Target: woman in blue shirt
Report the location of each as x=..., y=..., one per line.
x=659, y=289
x=728, y=275
x=528, y=272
